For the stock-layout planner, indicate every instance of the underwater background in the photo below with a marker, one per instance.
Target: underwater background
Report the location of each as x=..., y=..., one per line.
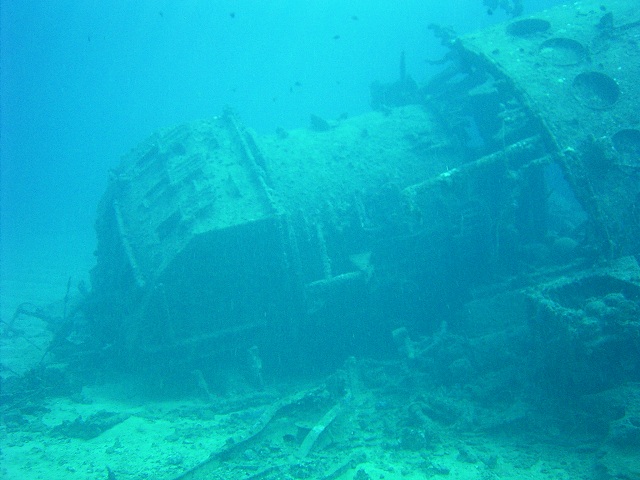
x=320, y=240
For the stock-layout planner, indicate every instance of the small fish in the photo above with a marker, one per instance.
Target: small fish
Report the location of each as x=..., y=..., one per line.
x=336, y=37
x=354, y=17
x=232, y=14
x=297, y=84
